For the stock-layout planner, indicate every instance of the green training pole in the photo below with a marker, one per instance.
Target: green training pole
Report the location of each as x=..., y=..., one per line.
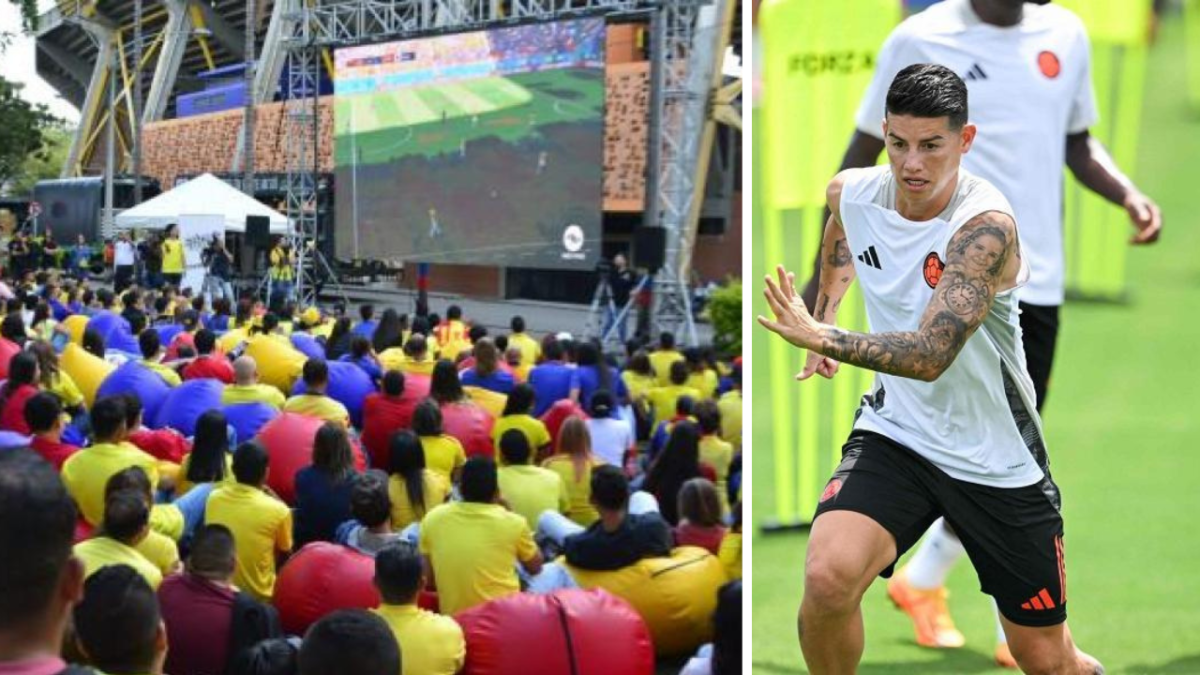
x=1096, y=232
x=818, y=58
x=1191, y=31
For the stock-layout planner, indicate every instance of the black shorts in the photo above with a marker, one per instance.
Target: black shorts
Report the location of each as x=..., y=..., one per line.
x=1012, y=535
x=1039, y=332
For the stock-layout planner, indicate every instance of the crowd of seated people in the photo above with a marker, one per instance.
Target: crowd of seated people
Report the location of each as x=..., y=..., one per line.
x=484, y=465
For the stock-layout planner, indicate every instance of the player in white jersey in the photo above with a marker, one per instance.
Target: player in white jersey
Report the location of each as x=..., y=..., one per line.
x=950, y=428
x=1027, y=67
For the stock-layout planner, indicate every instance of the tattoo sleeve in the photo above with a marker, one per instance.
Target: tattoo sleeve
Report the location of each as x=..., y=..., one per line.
x=975, y=262
x=837, y=272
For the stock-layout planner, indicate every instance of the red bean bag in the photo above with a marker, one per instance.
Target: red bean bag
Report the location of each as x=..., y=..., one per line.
x=83, y=530
x=568, y=632
x=471, y=425
x=323, y=578
x=557, y=414
x=289, y=442
x=8, y=349
x=383, y=416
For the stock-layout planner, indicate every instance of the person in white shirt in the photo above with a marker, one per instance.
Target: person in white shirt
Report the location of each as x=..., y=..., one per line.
x=950, y=427
x=124, y=257
x=1027, y=67
x=612, y=437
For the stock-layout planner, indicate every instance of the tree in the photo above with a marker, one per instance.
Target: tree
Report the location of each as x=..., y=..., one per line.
x=22, y=133
x=46, y=164
x=29, y=14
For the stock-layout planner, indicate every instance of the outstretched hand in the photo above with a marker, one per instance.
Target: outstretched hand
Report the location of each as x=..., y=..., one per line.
x=792, y=319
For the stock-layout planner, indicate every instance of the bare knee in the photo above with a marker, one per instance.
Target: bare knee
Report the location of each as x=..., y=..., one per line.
x=830, y=589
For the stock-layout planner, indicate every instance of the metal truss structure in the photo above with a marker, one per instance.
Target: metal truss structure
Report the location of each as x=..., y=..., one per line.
x=688, y=42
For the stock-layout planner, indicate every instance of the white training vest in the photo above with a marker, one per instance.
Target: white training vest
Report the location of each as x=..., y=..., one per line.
x=977, y=422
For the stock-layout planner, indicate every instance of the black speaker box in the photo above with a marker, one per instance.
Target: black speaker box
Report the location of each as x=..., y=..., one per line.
x=649, y=247
x=258, y=231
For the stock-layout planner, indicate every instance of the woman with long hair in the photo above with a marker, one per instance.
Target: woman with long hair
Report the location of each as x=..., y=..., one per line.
x=13, y=326
x=323, y=489
x=210, y=460
x=43, y=324
x=22, y=384
x=593, y=373
x=413, y=489
x=678, y=463
x=362, y=355
x=339, y=339
x=461, y=417
x=486, y=372
x=573, y=462
x=518, y=414
x=445, y=387
x=391, y=331
x=444, y=454
x=55, y=380
x=700, y=511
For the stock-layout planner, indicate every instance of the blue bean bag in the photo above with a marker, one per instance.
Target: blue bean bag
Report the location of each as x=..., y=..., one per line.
x=308, y=345
x=135, y=378
x=167, y=332
x=248, y=418
x=73, y=435
x=11, y=440
x=349, y=385
x=186, y=403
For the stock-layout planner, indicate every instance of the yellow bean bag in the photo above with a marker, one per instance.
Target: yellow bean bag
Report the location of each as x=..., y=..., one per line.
x=279, y=364
x=676, y=596
x=491, y=401
x=75, y=325
x=231, y=339
x=86, y=369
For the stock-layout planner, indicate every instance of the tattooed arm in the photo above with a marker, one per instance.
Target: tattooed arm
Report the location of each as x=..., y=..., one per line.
x=981, y=259
x=835, y=276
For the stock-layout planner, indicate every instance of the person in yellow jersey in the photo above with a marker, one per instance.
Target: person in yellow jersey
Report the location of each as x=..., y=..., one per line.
x=282, y=271
x=431, y=644
x=261, y=524
x=415, y=358
x=701, y=377
x=662, y=358
x=314, y=401
x=172, y=256
x=160, y=549
x=517, y=415
x=663, y=399
x=126, y=523
x=528, y=490
x=730, y=407
x=574, y=462
x=474, y=546
x=531, y=350
x=714, y=451
x=246, y=388
x=451, y=334
x=152, y=354
x=520, y=371
x=86, y=472
x=413, y=489
x=444, y=454
x=639, y=379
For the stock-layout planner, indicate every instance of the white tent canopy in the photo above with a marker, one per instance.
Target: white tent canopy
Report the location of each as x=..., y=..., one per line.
x=203, y=195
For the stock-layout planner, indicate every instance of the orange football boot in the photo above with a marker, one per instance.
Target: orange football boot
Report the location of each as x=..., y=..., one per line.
x=928, y=611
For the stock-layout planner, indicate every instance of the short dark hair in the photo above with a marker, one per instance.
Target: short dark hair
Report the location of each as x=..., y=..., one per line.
x=117, y=621
x=42, y=411
x=928, y=90
x=214, y=552
x=398, y=572
x=130, y=478
x=149, y=342
x=108, y=416
x=275, y=656
x=366, y=311
x=316, y=372
x=610, y=488
x=393, y=383
x=517, y=324
x=476, y=333
x=250, y=463
x=453, y=312
x=349, y=642
x=205, y=341
x=427, y=418
x=679, y=372
x=36, y=532
x=708, y=416
x=133, y=409
x=514, y=447
x=666, y=340
x=369, y=500
x=479, y=483
x=684, y=406
x=552, y=349
x=126, y=514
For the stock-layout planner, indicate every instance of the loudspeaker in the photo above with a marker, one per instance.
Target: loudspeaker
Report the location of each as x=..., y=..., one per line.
x=258, y=231
x=649, y=247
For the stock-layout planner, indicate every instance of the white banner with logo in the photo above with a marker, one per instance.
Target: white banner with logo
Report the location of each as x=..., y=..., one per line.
x=196, y=231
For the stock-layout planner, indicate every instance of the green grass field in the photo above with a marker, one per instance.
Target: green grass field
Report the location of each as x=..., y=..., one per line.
x=437, y=119
x=1122, y=421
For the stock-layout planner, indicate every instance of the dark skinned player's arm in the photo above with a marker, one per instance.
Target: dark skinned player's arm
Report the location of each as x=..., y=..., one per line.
x=863, y=151
x=1091, y=164
x=977, y=258
x=959, y=305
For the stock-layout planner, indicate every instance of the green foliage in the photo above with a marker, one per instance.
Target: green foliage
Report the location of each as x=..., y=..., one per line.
x=725, y=311
x=24, y=135
x=46, y=163
x=29, y=14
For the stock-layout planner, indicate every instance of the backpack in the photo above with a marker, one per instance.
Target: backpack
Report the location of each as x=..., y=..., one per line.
x=251, y=623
